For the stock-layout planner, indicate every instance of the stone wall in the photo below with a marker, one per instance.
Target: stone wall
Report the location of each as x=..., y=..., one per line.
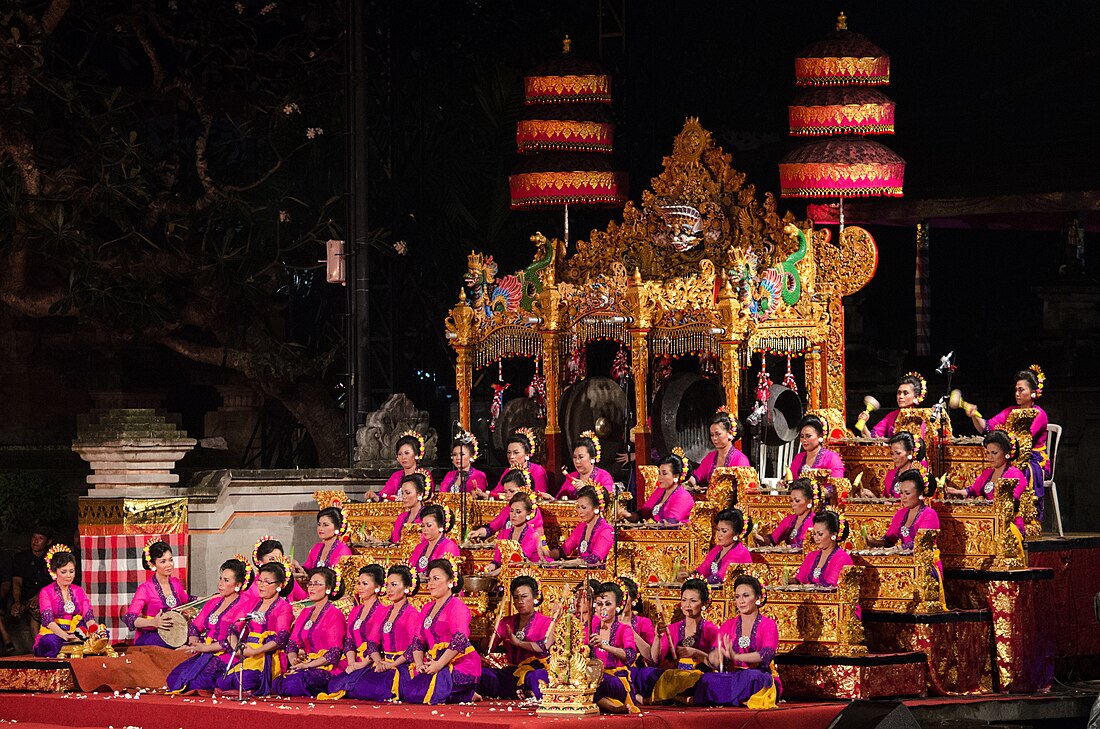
x=229, y=510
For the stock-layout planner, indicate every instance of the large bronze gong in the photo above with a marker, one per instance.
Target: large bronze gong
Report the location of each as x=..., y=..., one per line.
x=682, y=411
x=599, y=404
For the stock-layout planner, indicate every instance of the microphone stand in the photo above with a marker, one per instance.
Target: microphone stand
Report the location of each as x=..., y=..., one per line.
x=947, y=367
x=239, y=651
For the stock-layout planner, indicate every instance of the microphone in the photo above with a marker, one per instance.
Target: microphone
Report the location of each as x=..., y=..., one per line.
x=757, y=414
x=945, y=363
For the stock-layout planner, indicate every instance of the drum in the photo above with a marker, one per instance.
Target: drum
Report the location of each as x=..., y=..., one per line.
x=174, y=634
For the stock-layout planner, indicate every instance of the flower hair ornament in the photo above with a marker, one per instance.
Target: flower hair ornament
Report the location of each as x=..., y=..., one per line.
x=419, y=439
x=602, y=496
x=679, y=453
x=147, y=554
x=843, y=530
x=288, y=571
x=532, y=440
x=249, y=572
x=746, y=529
x=923, y=386
x=345, y=528
x=467, y=438
x=1040, y=378
x=591, y=435
x=763, y=599
x=429, y=485
x=337, y=586
x=456, y=572
x=51, y=552
x=415, y=586
x=448, y=517
x=256, y=548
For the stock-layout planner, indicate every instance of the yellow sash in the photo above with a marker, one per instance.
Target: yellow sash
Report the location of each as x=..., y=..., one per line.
x=256, y=663
x=676, y=681
x=68, y=624
x=622, y=673
x=526, y=666
x=433, y=654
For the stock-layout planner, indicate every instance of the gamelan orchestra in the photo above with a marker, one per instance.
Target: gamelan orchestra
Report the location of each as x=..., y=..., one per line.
x=688, y=580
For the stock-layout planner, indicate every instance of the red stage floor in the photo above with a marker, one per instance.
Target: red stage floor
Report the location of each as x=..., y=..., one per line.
x=157, y=711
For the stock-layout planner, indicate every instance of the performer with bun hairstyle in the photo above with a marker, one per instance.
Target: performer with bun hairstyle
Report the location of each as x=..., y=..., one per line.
x=261, y=657
x=514, y=481
x=685, y=645
x=446, y=666
x=519, y=449
x=743, y=673
x=408, y=450
x=1029, y=388
x=729, y=548
x=368, y=610
x=724, y=432
x=906, y=452
x=464, y=476
x=911, y=392
x=823, y=565
x=388, y=645
x=436, y=521
x=66, y=611
x=592, y=539
x=811, y=436
x=416, y=489
x=157, y=595
x=532, y=543
x=269, y=549
x=525, y=636
x=792, y=530
x=999, y=448
x=208, y=633
x=315, y=650
x=586, y=454
x=670, y=503
x=327, y=552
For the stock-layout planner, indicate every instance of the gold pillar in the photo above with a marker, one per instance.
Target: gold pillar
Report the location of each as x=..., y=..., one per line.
x=639, y=359
x=834, y=354
x=550, y=330
x=730, y=364
x=813, y=378
x=464, y=382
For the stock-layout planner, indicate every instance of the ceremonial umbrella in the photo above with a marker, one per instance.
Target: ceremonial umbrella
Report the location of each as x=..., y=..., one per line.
x=566, y=138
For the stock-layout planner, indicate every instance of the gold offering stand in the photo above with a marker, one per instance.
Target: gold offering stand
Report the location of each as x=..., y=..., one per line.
x=572, y=671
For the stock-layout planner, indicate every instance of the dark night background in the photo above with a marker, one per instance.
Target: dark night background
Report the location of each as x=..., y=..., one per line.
x=992, y=99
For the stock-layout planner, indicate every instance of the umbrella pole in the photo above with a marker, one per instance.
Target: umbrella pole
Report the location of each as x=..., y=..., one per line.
x=567, y=226
x=842, y=216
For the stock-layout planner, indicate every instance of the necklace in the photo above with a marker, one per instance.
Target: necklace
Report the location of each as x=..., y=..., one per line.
x=426, y=557
x=312, y=617
x=521, y=633
x=587, y=535
x=906, y=529
x=435, y=613
x=70, y=604
x=169, y=597
x=387, y=627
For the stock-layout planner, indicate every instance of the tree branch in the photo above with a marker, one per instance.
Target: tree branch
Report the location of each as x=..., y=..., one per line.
x=53, y=15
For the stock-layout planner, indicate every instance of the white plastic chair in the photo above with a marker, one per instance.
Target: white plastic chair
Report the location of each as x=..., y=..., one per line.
x=1054, y=438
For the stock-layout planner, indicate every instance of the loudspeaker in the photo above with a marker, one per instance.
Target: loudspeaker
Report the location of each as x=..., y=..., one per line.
x=875, y=715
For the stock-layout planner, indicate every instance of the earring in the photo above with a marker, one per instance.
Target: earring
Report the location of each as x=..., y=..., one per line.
x=833, y=537
x=451, y=585
x=378, y=591
x=759, y=603
x=408, y=590
x=910, y=457
x=237, y=589
x=328, y=592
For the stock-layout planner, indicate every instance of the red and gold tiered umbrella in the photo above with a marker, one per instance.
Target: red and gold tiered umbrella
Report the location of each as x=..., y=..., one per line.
x=566, y=138
x=841, y=109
